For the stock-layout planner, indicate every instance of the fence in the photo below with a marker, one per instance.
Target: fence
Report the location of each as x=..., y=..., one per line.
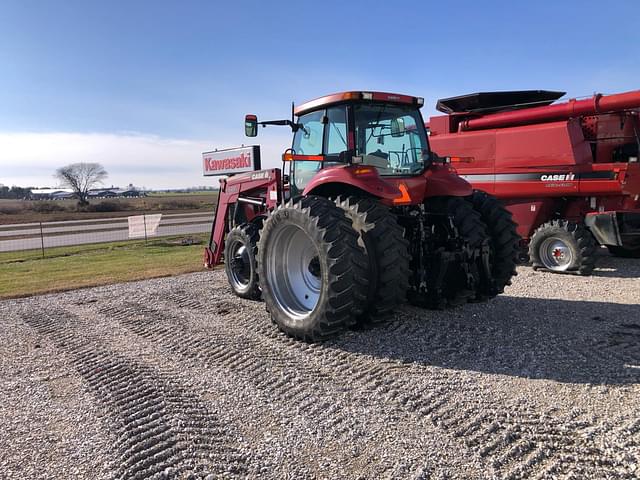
x=46, y=235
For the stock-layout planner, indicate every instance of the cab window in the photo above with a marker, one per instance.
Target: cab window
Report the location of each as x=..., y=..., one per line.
x=336, y=134
x=307, y=141
x=391, y=138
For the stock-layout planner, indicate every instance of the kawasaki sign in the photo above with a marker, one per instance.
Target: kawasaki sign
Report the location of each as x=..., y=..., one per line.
x=231, y=161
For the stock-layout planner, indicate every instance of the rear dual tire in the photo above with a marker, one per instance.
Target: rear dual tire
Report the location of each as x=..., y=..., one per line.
x=387, y=255
x=455, y=289
x=504, y=243
x=312, y=273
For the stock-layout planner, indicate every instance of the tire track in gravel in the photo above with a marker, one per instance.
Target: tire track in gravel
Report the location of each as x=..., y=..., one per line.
x=162, y=430
x=282, y=373
x=520, y=442
x=520, y=445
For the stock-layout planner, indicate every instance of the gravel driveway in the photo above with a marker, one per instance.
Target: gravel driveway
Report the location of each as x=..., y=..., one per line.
x=177, y=378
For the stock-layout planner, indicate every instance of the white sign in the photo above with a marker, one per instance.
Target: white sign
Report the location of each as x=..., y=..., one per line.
x=230, y=161
x=143, y=226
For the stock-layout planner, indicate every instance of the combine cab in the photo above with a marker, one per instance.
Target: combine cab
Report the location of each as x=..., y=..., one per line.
x=361, y=216
x=568, y=172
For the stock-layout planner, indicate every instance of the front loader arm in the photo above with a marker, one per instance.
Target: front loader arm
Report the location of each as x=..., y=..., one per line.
x=241, y=198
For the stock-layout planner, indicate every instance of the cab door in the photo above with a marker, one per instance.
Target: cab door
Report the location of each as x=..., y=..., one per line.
x=323, y=134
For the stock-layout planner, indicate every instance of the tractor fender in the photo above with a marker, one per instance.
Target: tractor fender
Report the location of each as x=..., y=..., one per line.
x=343, y=179
x=443, y=180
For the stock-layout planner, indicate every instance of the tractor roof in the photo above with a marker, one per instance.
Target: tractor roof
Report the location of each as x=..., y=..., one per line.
x=358, y=96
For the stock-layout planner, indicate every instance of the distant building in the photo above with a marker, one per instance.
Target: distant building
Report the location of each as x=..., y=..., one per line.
x=51, y=193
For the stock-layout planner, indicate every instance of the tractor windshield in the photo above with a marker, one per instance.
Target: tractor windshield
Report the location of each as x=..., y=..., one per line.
x=391, y=138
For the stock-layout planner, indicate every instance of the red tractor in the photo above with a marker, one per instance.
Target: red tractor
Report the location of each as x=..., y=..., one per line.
x=361, y=216
x=568, y=172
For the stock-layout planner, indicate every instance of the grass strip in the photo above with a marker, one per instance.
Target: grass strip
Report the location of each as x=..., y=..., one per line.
x=65, y=268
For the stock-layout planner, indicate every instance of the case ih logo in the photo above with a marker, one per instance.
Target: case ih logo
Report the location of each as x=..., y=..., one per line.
x=227, y=162
x=562, y=177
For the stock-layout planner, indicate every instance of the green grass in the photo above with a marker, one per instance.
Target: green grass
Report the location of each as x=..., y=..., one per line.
x=66, y=268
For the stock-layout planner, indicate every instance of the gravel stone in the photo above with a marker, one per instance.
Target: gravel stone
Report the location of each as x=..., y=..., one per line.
x=177, y=378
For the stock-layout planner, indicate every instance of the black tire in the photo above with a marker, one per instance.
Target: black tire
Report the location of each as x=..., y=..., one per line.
x=504, y=242
x=472, y=230
x=387, y=255
x=623, y=252
x=580, y=245
x=240, y=261
x=312, y=271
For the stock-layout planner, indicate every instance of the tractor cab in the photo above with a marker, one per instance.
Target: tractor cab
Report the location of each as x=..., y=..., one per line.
x=382, y=131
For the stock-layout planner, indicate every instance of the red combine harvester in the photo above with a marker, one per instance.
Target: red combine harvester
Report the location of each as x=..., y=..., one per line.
x=361, y=215
x=568, y=172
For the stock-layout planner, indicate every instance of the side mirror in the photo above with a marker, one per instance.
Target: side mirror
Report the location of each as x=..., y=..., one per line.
x=397, y=127
x=251, y=126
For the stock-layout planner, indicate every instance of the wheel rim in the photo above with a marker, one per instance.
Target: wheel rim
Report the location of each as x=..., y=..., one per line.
x=240, y=266
x=294, y=272
x=555, y=254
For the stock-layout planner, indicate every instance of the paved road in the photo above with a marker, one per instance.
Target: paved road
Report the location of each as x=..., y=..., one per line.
x=84, y=225
x=59, y=234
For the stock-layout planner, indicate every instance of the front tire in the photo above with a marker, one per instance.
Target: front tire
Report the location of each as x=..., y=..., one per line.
x=240, y=261
x=312, y=272
x=563, y=246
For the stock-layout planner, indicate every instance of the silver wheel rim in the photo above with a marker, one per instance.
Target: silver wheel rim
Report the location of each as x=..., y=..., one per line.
x=240, y=267
x=555, y=254
x=294, y=272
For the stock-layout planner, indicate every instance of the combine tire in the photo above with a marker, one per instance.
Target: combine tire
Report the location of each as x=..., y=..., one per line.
x=240, y=261
x=387, y=255
x=455, y=290
x=312, y=271
x=563, y=246
x=504, y=244
x=623, y=252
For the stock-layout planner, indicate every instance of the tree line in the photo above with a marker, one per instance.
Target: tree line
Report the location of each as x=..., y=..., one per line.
x=14, y=193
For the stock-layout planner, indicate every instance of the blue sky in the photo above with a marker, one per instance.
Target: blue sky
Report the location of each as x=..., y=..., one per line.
x=145, y=86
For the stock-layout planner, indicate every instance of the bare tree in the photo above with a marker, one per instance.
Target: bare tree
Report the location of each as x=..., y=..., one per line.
x=80, y=177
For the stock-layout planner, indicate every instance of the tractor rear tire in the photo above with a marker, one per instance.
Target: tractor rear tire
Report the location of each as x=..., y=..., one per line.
x=470, y=227
x=240, y=261
x=387, y=255
x=504, y=244
x=623, y=252
x=563, y=246
x=313, y=274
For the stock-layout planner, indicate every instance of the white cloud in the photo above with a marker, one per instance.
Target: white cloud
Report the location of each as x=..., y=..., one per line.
x=30, y=159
